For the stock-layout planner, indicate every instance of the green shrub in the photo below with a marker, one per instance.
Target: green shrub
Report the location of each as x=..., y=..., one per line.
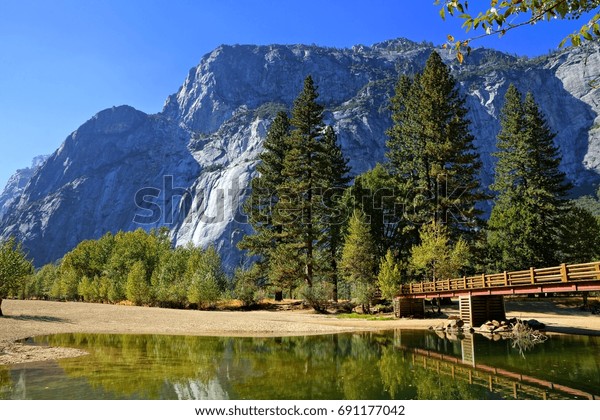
x=317, y=296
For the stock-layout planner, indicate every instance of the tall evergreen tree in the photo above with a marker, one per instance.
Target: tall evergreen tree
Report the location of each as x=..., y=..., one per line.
x=581, y=234
x=526, y=221
x=431, y=153
x=374, y=195
x=299, y=209
x=336, y=181
x=261, y=202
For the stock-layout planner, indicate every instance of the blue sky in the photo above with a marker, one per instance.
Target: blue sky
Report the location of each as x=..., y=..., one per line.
x=62, y=61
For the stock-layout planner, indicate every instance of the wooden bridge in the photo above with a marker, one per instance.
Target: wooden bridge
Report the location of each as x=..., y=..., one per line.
x=481, y=296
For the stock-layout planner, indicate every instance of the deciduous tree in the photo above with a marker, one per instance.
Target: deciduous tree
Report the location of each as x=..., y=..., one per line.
x=436, y=257
x=358, y=264
x=389, y=278
x=14, y=268
x=499, y=17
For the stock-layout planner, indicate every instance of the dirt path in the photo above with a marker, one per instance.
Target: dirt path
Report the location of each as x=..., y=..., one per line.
x=32, y=318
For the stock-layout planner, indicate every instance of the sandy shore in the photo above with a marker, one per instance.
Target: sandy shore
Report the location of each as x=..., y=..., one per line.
x=25, y=319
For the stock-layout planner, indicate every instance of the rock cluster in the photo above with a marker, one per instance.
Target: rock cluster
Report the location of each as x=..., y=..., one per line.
x=456, y=325
x=508, y=326
x=452, y=324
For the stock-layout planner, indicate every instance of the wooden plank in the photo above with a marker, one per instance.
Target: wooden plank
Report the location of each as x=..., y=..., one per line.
x=583, y=264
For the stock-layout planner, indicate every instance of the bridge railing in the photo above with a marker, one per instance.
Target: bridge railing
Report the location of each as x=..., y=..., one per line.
x=563, y=273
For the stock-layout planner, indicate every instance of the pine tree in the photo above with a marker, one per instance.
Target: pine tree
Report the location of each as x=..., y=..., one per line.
x=358, y=264
x=261, y=202
x=581, y=234
x=299, y=209
x=286, y=267
x=529, y=210
x=373, y=194
x=335, y=183
x=431, y=153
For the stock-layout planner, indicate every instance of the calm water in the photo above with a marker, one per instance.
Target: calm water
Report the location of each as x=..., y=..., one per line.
x=387, y=365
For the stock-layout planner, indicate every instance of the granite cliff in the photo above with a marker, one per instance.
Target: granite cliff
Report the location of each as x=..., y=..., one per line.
x=188, y=167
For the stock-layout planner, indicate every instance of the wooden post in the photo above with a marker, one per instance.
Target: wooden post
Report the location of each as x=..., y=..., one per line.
x=505, y=278
x=483, y=280
x=532, y=274
x=563, y=273
x=464, y=282
x=515, y=389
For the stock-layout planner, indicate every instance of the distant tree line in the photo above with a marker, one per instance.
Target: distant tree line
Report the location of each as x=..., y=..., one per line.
x=140, y=267
x=321, y=236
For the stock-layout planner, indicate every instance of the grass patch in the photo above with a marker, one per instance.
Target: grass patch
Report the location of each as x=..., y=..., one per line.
x=389, y=317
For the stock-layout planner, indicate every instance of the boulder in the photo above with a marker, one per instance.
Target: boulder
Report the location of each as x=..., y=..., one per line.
x=439, y=327
x=502, y=329
x=488, y=327
x=535, y=324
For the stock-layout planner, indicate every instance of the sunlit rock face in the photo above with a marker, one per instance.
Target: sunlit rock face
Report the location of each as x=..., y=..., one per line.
x=16, y=184
x=188, y=168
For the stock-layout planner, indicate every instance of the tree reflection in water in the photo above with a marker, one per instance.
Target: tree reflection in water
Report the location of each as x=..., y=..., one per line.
x=343, y=366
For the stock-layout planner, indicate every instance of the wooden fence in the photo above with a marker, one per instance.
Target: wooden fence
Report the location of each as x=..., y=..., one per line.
x=561, y=274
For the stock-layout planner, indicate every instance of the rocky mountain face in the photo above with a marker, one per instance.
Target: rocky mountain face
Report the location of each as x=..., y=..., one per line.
x=188, y=167
x=17, y=183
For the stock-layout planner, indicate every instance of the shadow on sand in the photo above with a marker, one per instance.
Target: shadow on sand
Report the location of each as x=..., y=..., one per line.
x=39, y=318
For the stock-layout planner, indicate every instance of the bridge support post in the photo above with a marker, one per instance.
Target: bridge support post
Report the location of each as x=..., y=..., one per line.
x=475, y=310
x=406, y=307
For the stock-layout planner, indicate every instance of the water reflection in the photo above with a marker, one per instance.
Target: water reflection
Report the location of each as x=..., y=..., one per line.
x=387, y=365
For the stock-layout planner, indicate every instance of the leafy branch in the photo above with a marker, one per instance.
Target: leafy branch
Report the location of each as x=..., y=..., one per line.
x=503, y=16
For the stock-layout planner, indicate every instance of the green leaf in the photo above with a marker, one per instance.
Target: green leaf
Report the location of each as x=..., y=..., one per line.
x=575, y=40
